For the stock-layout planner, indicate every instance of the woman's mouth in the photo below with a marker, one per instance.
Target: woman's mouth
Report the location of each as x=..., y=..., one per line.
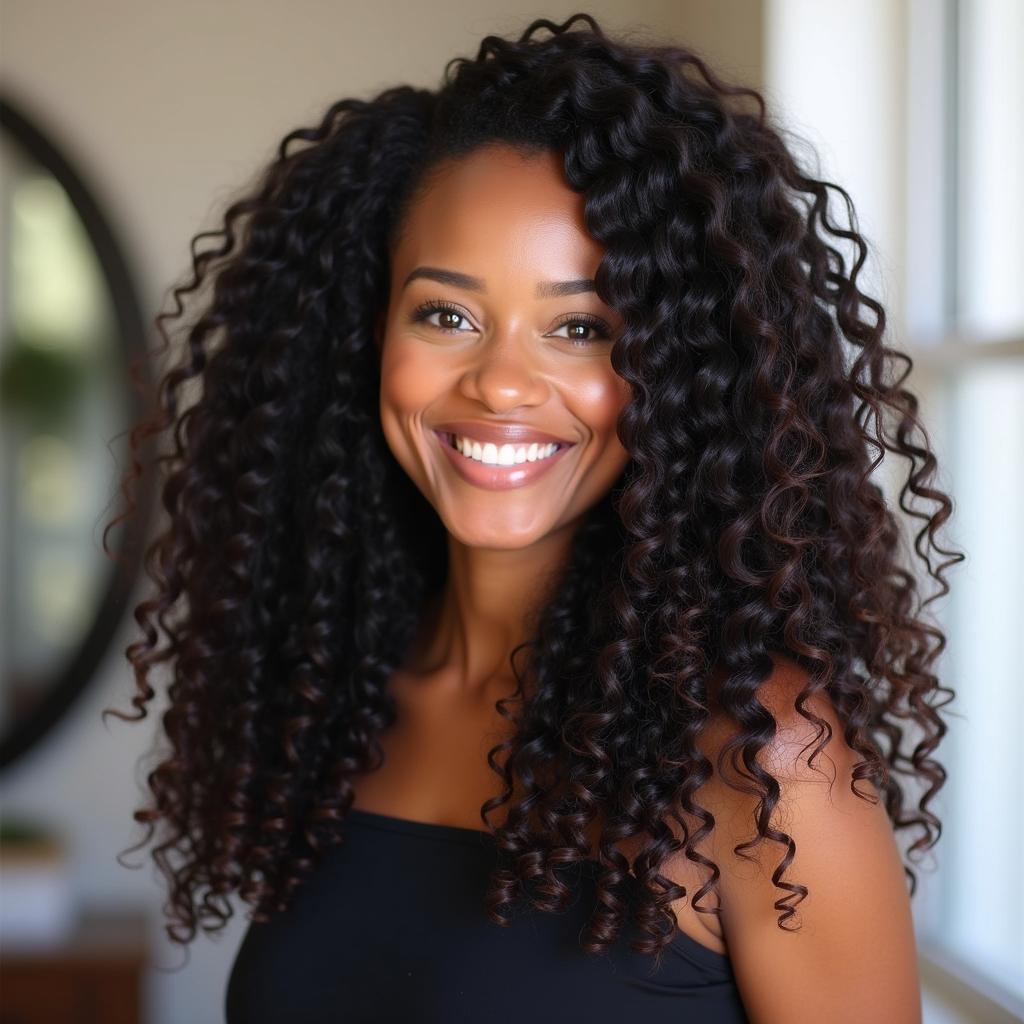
x=500, y=467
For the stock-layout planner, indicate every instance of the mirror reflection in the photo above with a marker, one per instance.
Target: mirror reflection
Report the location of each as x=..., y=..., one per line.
x=62, y=402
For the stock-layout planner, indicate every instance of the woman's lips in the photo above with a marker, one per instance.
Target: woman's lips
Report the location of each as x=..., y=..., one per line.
x=497, y=478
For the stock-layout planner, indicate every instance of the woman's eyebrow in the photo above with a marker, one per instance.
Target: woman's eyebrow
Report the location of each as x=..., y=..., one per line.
x=545, y=289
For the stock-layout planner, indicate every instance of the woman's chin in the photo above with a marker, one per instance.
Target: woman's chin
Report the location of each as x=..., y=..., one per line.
x=481, y=525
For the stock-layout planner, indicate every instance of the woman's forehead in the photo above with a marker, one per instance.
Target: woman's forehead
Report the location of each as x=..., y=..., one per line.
x=500, y=209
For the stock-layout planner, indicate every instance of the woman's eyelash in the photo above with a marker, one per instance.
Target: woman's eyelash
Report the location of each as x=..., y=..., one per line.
x=434, y=306
x=591, y=321
x=426, y=309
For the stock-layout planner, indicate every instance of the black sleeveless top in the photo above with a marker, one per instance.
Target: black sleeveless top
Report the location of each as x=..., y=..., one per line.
x=391, y=927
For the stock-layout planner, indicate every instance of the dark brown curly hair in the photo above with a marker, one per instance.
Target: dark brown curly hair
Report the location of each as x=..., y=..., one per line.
x=297, y=555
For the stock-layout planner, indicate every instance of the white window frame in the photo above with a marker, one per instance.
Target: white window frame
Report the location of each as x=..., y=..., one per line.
x=941, y=352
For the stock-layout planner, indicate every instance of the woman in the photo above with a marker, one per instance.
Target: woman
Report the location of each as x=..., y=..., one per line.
x=540, y=643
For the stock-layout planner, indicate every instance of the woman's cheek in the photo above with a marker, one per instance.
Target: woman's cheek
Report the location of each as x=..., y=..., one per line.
x=600, y=398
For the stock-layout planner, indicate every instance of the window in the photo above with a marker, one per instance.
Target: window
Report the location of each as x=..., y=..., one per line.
x=929, y=146
x=965, y=333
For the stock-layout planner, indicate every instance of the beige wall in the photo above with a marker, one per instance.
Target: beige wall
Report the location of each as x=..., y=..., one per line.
x=170, y=107
x=166, y=109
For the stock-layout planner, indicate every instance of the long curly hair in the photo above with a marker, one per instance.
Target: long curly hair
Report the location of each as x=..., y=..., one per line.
x=298, y=556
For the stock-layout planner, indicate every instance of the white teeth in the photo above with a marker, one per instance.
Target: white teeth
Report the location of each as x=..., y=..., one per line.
x=506, y=455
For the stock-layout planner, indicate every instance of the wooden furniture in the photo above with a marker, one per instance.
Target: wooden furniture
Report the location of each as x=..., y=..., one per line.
x=95, y=977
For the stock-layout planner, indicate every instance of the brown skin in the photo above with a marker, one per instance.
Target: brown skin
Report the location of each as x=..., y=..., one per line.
x=854, y=957
x=511, y=359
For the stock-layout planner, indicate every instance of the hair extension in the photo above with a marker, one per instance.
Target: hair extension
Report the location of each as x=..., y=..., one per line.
x=296, y=555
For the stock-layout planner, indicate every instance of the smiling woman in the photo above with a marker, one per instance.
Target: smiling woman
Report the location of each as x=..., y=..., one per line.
x=515, y=368
x=530, y=607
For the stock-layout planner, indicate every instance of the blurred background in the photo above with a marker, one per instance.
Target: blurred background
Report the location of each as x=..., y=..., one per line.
x=128, y=126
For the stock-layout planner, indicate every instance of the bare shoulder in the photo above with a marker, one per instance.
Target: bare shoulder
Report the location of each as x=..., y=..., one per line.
x=852, y=956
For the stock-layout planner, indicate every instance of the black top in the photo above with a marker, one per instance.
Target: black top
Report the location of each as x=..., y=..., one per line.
x=391, y=927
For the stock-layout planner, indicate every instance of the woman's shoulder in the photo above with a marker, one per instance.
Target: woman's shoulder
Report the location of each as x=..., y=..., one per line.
x=844, y=876
x=788, y=750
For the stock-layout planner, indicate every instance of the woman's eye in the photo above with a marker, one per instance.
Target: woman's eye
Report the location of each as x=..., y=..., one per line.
x=449, y=318
x=579, y=328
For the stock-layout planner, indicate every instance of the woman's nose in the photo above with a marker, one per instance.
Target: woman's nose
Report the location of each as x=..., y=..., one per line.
x=505, y=373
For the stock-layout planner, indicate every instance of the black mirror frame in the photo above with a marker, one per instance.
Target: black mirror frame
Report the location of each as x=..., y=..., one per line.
x=123, y=569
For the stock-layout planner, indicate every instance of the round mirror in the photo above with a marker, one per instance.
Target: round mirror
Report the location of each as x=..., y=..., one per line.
x=71, y=339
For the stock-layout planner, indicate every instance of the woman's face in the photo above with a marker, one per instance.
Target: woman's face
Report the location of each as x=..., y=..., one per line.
x=494, y=334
